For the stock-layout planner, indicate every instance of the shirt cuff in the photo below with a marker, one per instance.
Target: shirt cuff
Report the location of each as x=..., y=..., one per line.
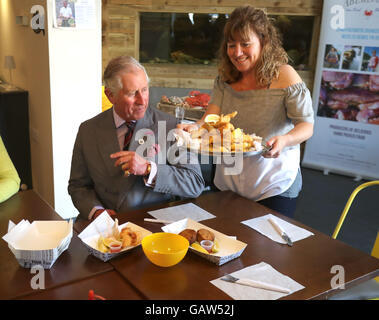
x=92, y=212
x=150, y=180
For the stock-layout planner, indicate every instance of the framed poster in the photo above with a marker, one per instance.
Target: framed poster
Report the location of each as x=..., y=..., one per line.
x=346, y=91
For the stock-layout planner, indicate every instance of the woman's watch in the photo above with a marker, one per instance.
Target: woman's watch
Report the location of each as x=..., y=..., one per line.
x=148, y=169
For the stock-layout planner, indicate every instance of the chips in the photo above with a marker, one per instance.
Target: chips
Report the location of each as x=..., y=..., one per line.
x=217, y=134
x=126, y=238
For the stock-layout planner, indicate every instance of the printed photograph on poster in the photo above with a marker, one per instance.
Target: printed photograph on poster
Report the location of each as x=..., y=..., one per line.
x=65, y=13
x=370, y=61
x=74, y=14
x=349, y=96
x=352, y=58
x=332, y=57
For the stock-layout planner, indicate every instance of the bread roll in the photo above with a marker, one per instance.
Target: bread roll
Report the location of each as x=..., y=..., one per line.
x=189, y=234
x=204, y=234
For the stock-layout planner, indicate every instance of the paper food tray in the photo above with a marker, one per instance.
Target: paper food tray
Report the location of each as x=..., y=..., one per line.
x=38, y=243
x=102, y=225
x=229, y=248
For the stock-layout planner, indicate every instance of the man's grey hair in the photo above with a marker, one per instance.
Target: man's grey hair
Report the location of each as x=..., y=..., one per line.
x=118, y=66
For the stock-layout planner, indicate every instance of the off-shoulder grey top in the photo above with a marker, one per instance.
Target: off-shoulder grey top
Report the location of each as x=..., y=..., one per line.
x=266, y=113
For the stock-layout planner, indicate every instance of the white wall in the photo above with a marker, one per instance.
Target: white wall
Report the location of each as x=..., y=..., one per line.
x=75, y=89
x=31, y=54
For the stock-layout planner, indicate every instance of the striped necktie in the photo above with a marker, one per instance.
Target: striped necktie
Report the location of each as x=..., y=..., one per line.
x=129, y=134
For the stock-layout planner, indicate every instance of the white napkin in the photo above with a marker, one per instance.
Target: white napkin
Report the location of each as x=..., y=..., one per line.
x=184, y=140
x=262, y=272
x=182, y=137
x=188, y=210
x=263, y=226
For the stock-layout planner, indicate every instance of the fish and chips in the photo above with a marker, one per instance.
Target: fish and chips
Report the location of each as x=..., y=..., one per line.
x=198, y=238
x=118, y=240
x=218, y=134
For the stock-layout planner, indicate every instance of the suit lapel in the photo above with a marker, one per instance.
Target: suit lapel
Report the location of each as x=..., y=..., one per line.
x=107, y=142
x=142, y=125
x=145, y=124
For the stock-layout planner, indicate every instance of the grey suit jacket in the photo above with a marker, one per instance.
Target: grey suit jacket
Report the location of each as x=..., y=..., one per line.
x=95, y=181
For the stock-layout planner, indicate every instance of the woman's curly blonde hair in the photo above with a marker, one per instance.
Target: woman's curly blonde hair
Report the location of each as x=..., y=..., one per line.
x=242, y=21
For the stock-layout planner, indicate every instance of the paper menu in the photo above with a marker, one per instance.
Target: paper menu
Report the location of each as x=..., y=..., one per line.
x=187, y=210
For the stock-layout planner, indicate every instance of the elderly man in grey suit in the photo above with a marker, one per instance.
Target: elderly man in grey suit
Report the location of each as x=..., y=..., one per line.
x=120, y=160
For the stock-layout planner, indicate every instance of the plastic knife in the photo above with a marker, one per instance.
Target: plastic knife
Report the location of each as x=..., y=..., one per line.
x=255, y=284
x=281, y=232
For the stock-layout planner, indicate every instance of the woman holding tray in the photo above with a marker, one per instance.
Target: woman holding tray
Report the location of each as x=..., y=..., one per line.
x=272, y=101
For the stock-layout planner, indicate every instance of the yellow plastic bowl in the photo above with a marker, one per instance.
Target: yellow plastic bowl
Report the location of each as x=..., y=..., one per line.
x=165, y=249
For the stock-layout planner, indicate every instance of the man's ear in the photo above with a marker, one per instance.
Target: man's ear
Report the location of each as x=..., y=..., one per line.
x=109, y=95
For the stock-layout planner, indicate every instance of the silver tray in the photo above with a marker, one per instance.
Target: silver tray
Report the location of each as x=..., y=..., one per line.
x=231, y=154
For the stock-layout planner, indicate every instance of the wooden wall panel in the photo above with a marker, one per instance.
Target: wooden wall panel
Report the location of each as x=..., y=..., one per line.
x=121, y=34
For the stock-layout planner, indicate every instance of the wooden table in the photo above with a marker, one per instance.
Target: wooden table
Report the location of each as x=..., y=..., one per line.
x=72, y=265
x=109, y=285
x=132, y=276
x=309, y=261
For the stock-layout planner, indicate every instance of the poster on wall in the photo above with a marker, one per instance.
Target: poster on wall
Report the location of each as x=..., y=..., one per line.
x=74, y=14
x=346, y=91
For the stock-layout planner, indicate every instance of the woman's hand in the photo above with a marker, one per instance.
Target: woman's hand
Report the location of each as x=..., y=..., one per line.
x=188, y=126
x=277, y=144
x=211, y=109
x=300, y=133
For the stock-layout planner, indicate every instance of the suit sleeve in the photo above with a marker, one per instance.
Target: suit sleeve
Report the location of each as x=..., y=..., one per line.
x=180, y=175
x=180, y=180
x=80, y=185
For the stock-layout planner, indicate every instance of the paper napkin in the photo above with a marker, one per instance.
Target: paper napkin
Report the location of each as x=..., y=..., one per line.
x=261, y=272
x=263, y=226
x=188, y=210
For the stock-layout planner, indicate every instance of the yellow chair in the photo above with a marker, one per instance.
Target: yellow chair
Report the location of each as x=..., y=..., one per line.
x=106, y=104
x=368, y=289
x=375, y=251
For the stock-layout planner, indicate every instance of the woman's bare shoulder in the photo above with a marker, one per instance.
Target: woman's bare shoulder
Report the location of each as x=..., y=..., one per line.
x=287, y=77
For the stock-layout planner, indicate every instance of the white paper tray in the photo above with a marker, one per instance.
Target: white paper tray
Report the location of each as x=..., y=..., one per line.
x=38, y=243
x=229, y=248
x=103, y=224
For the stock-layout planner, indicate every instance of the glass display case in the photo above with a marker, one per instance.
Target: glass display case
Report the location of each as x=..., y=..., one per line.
x=194, y=38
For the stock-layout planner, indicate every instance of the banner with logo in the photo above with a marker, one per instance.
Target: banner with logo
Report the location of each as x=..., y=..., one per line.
x=346, y=91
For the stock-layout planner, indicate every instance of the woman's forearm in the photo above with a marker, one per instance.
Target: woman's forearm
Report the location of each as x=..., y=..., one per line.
x=300, y=133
